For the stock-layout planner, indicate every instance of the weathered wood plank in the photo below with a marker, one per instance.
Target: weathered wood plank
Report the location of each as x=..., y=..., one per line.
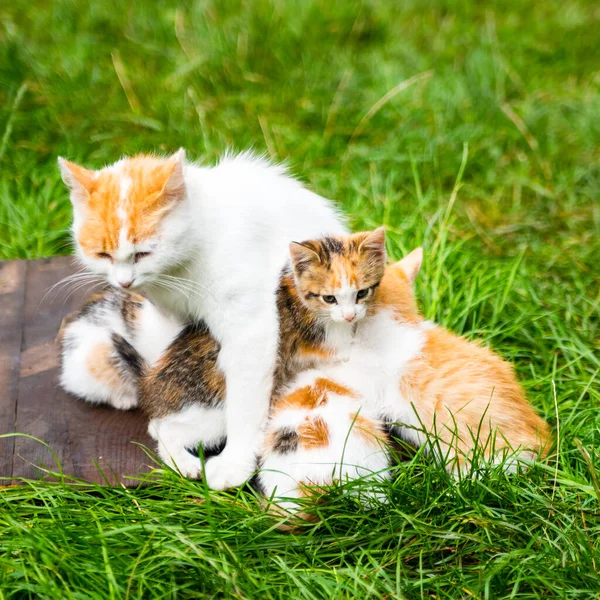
x=80, y=435
x=12, y=295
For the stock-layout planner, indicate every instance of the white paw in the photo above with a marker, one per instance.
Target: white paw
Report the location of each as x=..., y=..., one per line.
x=222, y=472
x=125, y=402
x=186, y=464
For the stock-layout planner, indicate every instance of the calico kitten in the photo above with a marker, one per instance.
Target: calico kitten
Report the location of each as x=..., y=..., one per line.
x=183, y=393
x=320, y=433
x=91, y=366
x=204, y=244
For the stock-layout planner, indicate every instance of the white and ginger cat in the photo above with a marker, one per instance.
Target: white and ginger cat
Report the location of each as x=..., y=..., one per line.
x=204, y=244
x=183, y=392
x=375, y=362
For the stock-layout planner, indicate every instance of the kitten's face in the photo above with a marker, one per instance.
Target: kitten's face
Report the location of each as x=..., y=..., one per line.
x=129, y=219
x=337, y=277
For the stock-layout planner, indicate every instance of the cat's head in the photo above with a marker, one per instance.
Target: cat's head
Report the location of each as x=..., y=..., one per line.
x=130, y=219
x=336, y=277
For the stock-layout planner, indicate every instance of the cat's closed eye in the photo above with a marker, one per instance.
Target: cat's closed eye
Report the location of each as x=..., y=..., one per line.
x=139, y=255
x=104, y=255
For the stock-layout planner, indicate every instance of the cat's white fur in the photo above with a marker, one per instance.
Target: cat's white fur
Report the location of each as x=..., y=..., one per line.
x=346, y=457
x=377, y=359
x=153, y=333
x=226, y=242
x=188, y=428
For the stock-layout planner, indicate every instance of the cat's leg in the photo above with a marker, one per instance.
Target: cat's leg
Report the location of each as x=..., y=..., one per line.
x=179, y=434
x=90, y=367
x=247, y=358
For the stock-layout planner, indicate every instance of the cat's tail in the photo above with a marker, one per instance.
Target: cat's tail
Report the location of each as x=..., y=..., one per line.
x=129, y=361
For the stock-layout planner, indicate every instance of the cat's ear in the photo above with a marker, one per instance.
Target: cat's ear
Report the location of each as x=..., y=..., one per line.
x=411, y=264
x=372, y=242
x=303, y=255
x=78, y=179
x=174, y=186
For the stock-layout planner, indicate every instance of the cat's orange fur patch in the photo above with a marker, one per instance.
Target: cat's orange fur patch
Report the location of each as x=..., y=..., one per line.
x=368, y=430
x=313, y=433
x=138, y=212
x=460, y=389
x=311, y=396
x=465, y=394
x=100, y=366
x=311, y=352
x=395, y=291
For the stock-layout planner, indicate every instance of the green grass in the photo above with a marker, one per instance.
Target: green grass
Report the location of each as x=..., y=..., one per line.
x=504, y=94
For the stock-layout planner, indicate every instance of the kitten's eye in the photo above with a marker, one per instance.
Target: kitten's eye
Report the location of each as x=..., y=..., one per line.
x=362, y=294
x=140, y=255
x=329, y=299
x=104, y=255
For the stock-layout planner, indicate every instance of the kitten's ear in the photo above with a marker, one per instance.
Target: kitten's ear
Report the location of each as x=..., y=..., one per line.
x=174, y=187
x=303, y=255
x=78, y=179
x=411, y=264
x=373, y=242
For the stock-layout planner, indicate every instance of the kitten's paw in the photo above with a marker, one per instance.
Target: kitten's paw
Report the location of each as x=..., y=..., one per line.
x=222, y=472
x=186, y=464
x=125, y=402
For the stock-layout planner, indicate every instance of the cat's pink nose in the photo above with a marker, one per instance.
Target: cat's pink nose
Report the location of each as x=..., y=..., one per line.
x=349, y=317
x=125, y=284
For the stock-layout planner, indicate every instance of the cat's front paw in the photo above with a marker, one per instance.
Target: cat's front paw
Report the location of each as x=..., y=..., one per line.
x=125, y=402
x=223, y=472
x=185, y=463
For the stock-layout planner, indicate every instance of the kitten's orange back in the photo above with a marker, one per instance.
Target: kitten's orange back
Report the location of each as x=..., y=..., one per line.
x=461, y=391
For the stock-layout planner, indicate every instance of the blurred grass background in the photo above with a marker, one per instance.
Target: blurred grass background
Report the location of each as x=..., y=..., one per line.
x=471, y=127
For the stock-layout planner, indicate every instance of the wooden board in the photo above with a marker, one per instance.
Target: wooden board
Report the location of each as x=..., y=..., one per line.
x=92, y=443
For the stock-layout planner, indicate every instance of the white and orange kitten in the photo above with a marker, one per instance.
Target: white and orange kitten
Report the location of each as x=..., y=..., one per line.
x=204, y=243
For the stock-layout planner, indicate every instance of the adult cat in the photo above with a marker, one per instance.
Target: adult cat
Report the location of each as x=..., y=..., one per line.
x=204, y=243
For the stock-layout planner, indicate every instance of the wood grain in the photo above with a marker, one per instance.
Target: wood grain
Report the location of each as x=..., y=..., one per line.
x=12, y=296
x=91, y=443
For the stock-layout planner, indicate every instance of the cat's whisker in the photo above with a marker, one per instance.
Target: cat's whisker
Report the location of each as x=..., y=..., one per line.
x=170, y=286
x=186, y=292
x=193, y=284
x=66, y=281
x=78, y=287
x=184, y=286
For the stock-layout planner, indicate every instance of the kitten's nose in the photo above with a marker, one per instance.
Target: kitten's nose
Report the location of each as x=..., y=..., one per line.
x=125, y=284
x=349, y=317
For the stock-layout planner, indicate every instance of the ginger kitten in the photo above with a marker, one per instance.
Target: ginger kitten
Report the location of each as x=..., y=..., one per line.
x=463, y=393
